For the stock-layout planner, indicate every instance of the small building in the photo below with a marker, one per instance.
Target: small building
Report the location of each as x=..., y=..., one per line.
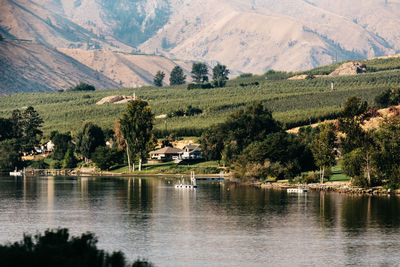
x=191, y=152
x=166, y=153
x=49, y=146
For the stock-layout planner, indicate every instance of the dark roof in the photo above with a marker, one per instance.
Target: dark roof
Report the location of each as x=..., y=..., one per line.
x=167, y=150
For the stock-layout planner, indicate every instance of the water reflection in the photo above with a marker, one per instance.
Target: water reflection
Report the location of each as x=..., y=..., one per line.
x=218, y=224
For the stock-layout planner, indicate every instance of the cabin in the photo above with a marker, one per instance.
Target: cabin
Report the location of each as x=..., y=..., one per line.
x=191, y=152
x=166, y=153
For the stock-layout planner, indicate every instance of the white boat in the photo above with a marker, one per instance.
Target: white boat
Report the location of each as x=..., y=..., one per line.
x=192, y=185
x=297, y=190
x=16, y=173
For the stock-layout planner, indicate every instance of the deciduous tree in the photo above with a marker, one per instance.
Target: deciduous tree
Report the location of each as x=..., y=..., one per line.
x=136, y=126
x=158, y=78
x=199, y=72
x=220, y=75
x=62, y=142
x=91, y=137
x=323, y=148
x=31, y=122
x=177, y=77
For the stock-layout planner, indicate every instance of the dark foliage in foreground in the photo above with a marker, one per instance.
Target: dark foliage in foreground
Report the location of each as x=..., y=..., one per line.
x=58, y=248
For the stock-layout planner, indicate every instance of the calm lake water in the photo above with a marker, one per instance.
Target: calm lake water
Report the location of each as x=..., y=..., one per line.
x=217, y=225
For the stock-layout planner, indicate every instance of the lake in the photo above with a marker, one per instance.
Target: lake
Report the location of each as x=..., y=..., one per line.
x=219, y=224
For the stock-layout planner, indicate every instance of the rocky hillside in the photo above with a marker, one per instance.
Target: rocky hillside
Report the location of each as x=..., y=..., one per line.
x=29, y=67
x=248, y=36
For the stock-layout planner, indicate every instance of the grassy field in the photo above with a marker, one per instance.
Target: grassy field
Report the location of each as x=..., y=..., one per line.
x=207, y=167
x=297, y=101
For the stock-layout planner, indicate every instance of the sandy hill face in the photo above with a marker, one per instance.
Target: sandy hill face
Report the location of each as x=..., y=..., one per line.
x=29, y=67
x=126, y=69
x=45, y=22
x=247, y=36
x=288, y=34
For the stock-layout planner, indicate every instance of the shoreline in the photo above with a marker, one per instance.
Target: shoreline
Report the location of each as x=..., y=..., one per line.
x=339, y=187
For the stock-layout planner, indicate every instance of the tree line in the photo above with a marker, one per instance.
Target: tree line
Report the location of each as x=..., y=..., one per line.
x=254, y=145
x=20, y=132
x=129, y=142
x=199, y=76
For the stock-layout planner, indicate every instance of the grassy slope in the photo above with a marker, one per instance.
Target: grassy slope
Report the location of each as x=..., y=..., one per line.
x=290, y=101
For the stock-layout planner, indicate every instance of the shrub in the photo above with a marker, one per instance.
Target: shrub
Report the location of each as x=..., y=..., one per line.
x=311, y=177
x=39, y=164
x=56, y=164
x=245, y=75
x=199, y=86
x=105, y=157
x=81, y=87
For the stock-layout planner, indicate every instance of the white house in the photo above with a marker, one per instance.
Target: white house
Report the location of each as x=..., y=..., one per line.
x=191, y=152
x=166, y=153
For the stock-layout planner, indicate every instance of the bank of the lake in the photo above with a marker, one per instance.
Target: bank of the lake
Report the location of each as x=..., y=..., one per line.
x=339, y=187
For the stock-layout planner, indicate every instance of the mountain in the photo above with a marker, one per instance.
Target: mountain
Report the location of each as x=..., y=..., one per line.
x=30, y=67
x=126, y=69
x=247, y=36
x=253, y=36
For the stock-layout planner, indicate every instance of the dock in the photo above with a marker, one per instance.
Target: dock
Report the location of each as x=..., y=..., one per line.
x=210, y=178
x=33, y=172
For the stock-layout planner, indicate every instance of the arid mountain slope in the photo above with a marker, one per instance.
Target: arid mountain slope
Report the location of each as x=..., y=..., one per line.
x=125, y=69
x=29, y=67
x=247, y=36
x=287, y=34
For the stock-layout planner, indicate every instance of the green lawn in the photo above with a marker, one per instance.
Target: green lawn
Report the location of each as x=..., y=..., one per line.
x=207, y=167
x=338, y=175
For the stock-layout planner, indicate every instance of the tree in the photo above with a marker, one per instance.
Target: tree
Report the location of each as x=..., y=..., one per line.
x=220, y=75
x=354, y=107
x=212, y=142
x=81, y=87
x=136, y=126
x=350, y=124
x=389, y=97
x=227, y=140
x=158, y=79
x=199, y=72
x=6, y=129
x=69, y=159
x=177, y=77
x=387, y=152
x=62, y=142
x=9, y=156
x=16, y=121
x=31, y=123
x=105, y=157
x=91, y=137
x=279, y=149
x=323, y=146
x=358, y=163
